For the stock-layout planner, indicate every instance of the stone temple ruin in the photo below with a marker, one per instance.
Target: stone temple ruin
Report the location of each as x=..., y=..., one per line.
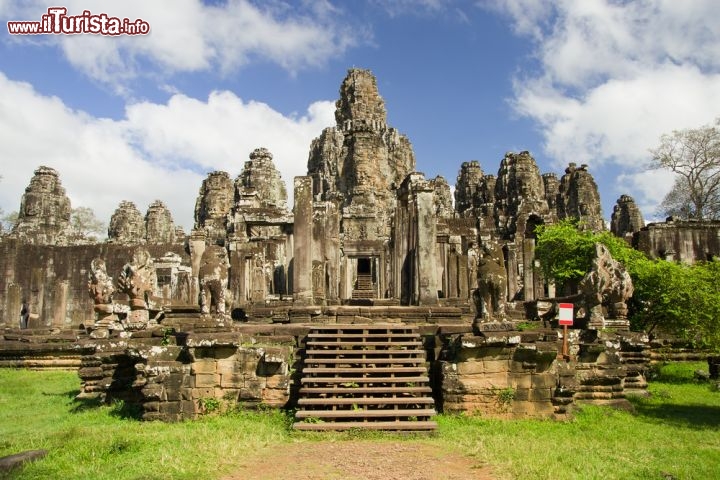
x=374, y=302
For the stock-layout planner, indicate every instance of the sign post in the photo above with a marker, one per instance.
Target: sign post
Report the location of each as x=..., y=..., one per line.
x=565, y=318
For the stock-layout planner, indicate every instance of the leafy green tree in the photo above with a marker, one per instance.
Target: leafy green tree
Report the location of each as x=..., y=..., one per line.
x=565, y=253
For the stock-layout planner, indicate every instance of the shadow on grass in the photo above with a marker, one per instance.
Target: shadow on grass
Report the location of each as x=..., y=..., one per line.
x=118, y=408
x=83, y=404
x=71, y=394
x=693, y=416
x=126, y=411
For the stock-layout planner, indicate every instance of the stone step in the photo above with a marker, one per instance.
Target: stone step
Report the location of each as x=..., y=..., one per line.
x=394, y=344
x=364, y=370
x=338, y=390
x=360, y=335
x=364, y=294
x=340, y=327
x=364, y=361
x=366, y=413
x=397, y=425
x=328, y=380
x=375, y=353
x=351, y=366
x=368, y=401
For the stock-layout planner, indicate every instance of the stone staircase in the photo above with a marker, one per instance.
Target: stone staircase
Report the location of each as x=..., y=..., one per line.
x=364, y=287
x=369, y=377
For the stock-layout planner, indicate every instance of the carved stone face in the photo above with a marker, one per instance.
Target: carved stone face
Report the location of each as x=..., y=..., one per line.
x=216, y=202
x=44, y=183
x=33, y=205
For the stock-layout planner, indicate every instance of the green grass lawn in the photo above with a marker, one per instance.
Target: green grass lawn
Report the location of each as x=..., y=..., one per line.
x=675, y=433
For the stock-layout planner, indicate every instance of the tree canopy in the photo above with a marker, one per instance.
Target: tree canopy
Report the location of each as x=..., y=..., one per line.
x=694, y=156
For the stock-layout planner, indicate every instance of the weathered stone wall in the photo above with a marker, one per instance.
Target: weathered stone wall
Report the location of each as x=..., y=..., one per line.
x=173, y=377
x=500, y=374
x=518, y=374
x=41, y=349
x=680, y=241
x=54, y=280
x=190, y=363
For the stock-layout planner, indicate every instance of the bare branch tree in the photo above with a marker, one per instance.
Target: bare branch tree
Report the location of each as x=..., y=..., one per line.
x=694, y=155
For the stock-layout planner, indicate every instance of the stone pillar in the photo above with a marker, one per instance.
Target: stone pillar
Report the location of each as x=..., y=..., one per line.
x=302, y=253
x=331, y=231
x=452, y=272
x=462, y=275
x=400, y=291
x=13, y=305
x=528, y=270
x=512, y=269
x=426, y=246
x=196, y=243
x=39, y=278
x=60, y=298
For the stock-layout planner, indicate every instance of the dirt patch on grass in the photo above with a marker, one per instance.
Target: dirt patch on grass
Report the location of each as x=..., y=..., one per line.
x=359, y=460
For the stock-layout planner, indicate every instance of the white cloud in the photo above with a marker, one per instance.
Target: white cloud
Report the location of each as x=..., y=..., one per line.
x=155, y=152
x=619, y=120
x=613, y=76
x=189, y=36
x=442, y=8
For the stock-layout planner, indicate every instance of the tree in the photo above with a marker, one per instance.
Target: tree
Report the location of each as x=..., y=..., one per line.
x=565, y=252
x=8, y=221
x=84, y=225
x=694, y=156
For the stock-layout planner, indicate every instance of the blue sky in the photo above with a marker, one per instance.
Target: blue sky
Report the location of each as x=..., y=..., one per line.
x=146, y=117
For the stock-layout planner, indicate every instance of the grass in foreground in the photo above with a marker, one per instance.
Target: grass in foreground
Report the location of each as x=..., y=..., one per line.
x=672, y=434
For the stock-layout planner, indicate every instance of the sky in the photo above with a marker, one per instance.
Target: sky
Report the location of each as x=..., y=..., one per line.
x=145, y=117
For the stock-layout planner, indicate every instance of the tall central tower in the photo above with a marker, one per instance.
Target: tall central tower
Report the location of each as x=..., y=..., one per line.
x=361, y=162
x=355, y=170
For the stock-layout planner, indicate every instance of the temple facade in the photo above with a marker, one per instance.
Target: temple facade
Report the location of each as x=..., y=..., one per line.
x=366, y=228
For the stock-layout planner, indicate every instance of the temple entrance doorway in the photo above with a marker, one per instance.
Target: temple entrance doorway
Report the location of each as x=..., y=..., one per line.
x=365, y=278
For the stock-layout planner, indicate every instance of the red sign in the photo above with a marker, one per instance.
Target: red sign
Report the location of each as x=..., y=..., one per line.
x=566, y=314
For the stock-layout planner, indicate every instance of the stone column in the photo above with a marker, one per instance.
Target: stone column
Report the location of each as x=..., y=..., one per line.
x=528, y=270
x=302, y=252
x=13, y=305
x=462, y=276
x=512, y=268
x=426, y=245
x=60, y=299
x=196, y=243
x=451, y=272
